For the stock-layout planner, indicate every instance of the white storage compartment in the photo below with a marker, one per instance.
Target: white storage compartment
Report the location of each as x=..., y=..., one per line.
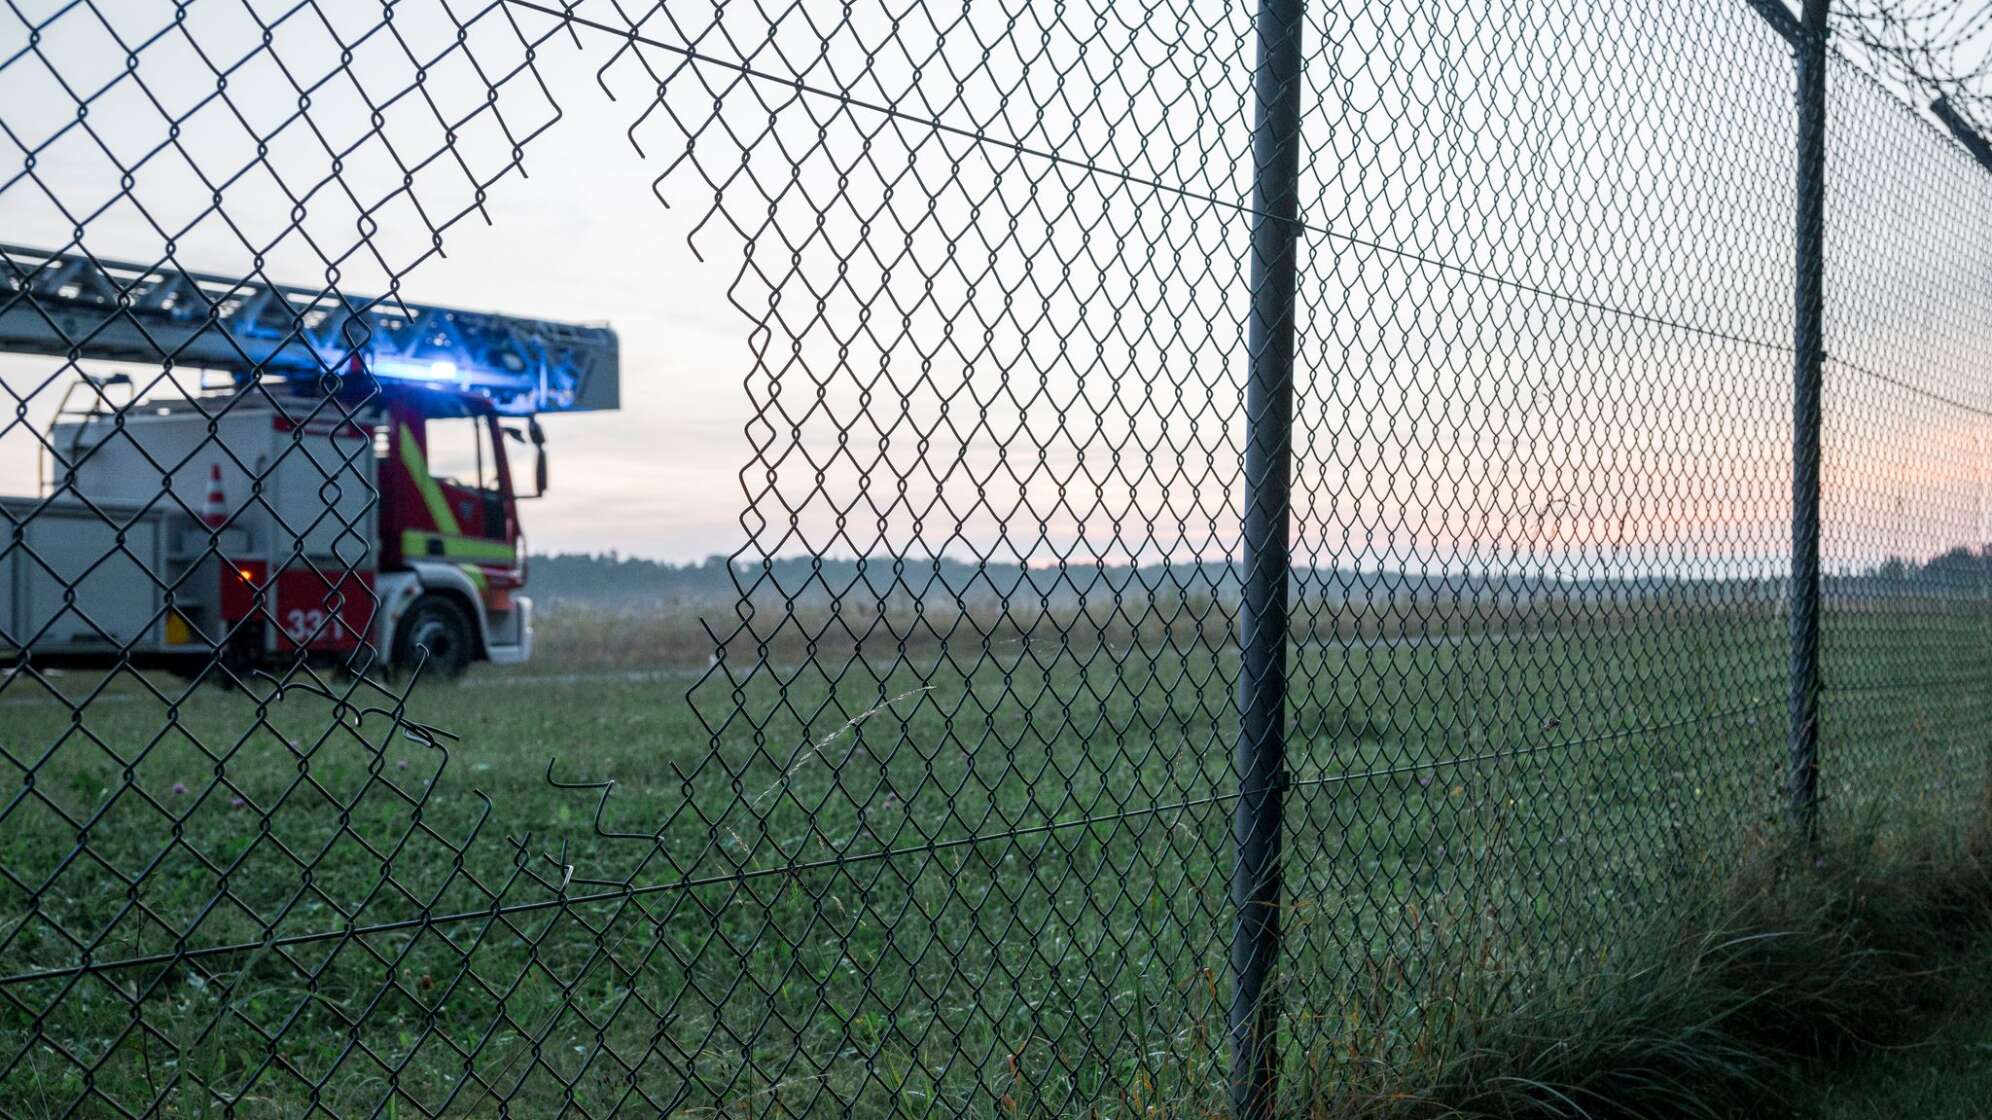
x=118, y=589
x=317, y=493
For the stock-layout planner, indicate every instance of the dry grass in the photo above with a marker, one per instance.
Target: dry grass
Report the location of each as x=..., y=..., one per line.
x=579, y=635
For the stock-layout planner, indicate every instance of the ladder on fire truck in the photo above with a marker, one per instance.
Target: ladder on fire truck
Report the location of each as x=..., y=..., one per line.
x=75, y=305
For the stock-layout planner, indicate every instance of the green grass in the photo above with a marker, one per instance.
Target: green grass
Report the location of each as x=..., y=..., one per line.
x=991, y=879
x=1944, y=1073
x=1947, y=1077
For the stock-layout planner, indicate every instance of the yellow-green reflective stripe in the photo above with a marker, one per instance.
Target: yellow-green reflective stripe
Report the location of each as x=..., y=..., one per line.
x=415, y=546
x=432, y=495
x=475, y=573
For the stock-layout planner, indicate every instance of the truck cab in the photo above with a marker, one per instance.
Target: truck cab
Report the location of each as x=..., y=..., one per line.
x=452, y=551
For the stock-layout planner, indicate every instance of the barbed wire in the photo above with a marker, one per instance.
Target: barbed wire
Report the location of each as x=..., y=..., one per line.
x=1926, y=49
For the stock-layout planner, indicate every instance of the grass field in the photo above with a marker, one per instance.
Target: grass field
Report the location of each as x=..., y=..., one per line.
x=988, y=879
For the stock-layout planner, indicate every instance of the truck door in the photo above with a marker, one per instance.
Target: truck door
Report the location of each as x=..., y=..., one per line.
x=463, y=470
x=452, y=502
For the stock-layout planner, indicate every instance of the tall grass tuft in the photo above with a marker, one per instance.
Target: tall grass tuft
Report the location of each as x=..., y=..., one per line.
x=1805, y=955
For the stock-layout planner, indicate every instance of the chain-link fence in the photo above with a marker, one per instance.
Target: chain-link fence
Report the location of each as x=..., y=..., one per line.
x=1262, y=526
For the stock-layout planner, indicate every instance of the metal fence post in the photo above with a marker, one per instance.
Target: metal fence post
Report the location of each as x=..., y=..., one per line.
x=1809, y=346
x=1262, y=623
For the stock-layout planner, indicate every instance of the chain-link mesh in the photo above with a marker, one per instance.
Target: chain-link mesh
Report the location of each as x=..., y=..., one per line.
x=1905, y=460
x=945, y=827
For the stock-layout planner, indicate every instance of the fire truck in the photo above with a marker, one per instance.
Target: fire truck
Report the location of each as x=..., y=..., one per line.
x=342, y=485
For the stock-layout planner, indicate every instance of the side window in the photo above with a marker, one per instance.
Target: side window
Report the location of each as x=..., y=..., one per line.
x=460, y=452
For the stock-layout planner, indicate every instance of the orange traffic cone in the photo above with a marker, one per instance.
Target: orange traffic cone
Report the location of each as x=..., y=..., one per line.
x=214, y=511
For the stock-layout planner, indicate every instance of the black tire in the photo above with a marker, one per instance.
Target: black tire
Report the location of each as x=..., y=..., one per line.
x=434, y=624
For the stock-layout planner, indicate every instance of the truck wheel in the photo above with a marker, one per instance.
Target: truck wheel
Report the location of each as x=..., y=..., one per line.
x=437, y=625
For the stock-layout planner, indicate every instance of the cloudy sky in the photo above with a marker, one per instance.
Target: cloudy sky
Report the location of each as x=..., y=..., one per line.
x=1534, y=334
x=580, y=238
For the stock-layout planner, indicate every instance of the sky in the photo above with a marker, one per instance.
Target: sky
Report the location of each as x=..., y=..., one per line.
x=1544, y=284
x=581, y=238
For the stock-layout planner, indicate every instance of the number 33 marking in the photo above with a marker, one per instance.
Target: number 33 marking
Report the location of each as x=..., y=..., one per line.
x=303, y=625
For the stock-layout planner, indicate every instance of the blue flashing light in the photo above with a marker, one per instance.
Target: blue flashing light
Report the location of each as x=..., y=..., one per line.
x=387, y=367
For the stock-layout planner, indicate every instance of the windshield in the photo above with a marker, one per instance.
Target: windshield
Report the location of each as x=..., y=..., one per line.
x=460, y=451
